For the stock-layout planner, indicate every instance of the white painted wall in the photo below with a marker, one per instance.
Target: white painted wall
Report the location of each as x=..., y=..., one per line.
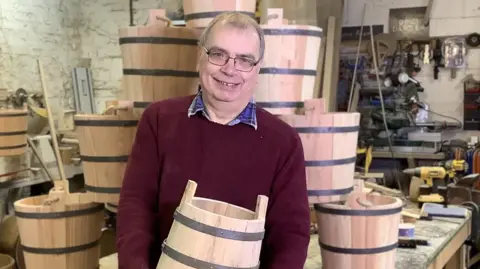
x=444, y=95
x=46, y=30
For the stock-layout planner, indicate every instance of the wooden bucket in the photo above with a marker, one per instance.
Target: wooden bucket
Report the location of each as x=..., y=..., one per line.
x=362, y=234
x=213, y=234
x=199, y=13
x=330, y=146
x=159, y=61
x=6, y=262
x=13, y=131
x=105, y=144
x=288, y=74
x=57, y=234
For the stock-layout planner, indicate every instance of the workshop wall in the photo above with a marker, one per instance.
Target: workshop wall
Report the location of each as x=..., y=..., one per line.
x=39, y=29
x=444, y=95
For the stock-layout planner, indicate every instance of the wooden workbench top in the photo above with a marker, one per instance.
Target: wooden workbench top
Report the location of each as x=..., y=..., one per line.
x=444, y=235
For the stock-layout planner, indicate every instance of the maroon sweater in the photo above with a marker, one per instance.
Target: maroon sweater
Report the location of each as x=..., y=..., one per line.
x=233, y=164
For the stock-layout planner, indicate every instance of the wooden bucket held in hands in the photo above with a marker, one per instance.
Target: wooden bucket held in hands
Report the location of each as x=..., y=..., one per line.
x=362, y=234
x=289, y=68
x=13, y=131
x=199, y=13
x=159, y=61
x=330, y=145
x=213, y=234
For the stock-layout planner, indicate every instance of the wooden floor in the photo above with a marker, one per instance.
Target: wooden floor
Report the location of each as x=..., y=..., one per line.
x=439, y=232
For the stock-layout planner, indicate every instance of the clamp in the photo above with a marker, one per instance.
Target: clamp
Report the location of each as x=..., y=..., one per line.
x=473, y=241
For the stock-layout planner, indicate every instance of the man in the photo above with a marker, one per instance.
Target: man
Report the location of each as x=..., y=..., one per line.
x=234, y=150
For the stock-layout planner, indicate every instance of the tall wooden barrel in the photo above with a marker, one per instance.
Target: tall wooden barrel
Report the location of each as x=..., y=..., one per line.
x=159, y=61
x=330, y=145
x=361, y=234
x=199, y=13
x=105, y=143
x=59, y=235
x=6, y=262
x=213, y=234
x=13, y=131
x=290, y=65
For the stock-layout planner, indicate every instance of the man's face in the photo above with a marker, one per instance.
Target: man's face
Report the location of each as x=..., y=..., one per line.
x=226, y=83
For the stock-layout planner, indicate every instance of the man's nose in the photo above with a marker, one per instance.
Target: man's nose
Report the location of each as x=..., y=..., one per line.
x=229, y=67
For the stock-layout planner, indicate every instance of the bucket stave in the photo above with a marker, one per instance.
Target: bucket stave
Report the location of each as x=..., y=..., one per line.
x=159, y=61
x=59, y=235
x=105, y=143
x=13, y=131
x=290, y=65
x=213, y=234
x=362, y=234
x=330, y=144
x=199, y=13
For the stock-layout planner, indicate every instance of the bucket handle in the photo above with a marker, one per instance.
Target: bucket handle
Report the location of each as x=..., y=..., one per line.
x=261, y=209
x=189, y=192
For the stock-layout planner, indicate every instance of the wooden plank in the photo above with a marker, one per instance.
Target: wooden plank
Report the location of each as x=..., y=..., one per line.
x=328, y=83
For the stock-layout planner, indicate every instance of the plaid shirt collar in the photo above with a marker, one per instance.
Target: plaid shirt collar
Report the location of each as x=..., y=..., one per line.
x=247, y=116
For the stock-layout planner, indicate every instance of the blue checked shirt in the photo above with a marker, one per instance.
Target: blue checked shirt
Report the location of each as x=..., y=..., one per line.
x=248, y=115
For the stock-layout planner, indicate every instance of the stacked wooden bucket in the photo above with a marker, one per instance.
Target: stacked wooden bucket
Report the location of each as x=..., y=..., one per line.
x=355, y=230
x=13, y=131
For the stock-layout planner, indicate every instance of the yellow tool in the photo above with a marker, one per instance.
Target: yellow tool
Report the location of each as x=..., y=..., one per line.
x=456, y=168
x=427, y=173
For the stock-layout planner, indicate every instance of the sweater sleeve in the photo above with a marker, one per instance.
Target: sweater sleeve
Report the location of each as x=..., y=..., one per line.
x=288, y=215
x=137, y=207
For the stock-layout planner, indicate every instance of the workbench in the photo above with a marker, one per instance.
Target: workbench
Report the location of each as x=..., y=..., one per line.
x=446, y=236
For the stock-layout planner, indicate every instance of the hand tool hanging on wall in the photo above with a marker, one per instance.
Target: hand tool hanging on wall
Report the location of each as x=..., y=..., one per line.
x=473, y=40
x=438, y=58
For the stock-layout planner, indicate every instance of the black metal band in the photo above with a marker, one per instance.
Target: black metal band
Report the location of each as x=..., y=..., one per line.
x=212, y=14
x=331, y=162
x=112, y=205
x=358, y=251
x=58, y=251
x=13, y=133
x=107, y=190
x=330, y=192
x=327, y=130
x=215, y=231
x=13, y=147
x=288, y=71
x=160, y=73
x=302, y=32
x=106, y=123
x=104, y=159
x=280, y=104
x=357, y=212
x=59, y=215
x=157, y=40
x=19, y=114
x=141, y=104
x=195, y=263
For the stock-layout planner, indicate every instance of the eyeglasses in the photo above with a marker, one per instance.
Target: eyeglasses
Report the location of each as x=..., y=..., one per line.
x=221, y=58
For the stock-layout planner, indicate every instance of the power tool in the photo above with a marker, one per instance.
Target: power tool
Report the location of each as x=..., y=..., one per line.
x=433, y=191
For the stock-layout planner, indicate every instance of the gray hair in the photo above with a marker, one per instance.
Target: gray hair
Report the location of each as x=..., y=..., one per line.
x=237, y=20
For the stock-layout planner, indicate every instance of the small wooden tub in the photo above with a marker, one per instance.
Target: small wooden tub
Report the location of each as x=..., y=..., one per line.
x=362, y=234
x=59, y=235
x=159, y=61
x=13, y=131
x=213, y=234
x=290, y=65
x=105, y=143
x=330, y=145
x=199, y=13
x=6, y=262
